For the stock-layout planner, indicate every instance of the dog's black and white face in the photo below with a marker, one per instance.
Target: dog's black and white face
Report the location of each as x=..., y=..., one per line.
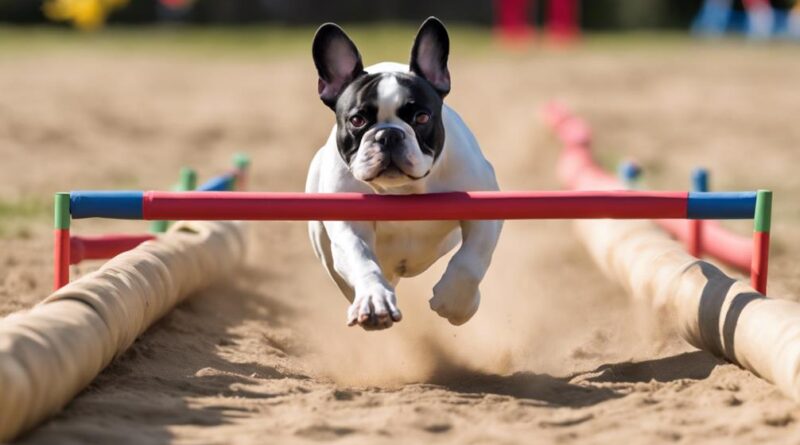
x=389, y=124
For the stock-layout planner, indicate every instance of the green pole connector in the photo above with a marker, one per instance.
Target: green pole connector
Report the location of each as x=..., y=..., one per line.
x=188, y=180
x=61, y=210
x=158, y=226
x=763, y=216
x=241, y=161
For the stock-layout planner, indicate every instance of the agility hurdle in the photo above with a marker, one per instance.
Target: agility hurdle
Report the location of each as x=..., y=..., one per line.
x=72, y=249
x=209, y=206
x=578, y=170
x=706, y=307
x=51, y=352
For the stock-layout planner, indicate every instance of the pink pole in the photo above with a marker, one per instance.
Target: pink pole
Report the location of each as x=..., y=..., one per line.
x=579, y=171
x=103, y=247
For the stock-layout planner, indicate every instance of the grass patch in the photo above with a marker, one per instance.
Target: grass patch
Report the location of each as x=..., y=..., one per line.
x=25, y=208
x=15, y=216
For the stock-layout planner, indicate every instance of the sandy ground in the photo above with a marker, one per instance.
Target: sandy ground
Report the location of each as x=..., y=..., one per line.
x=556, y=354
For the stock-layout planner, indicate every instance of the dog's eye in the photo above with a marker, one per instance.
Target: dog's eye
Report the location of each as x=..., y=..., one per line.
x=422, y=118
x=358, y=121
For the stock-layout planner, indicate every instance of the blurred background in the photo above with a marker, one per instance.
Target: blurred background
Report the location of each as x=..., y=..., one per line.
x=594, y=15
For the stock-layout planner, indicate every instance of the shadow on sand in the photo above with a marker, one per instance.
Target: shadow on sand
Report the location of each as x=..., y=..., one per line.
x=180, y=358
x=572, y=390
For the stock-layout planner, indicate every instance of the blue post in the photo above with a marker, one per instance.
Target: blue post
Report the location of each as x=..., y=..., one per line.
x=128, y=204
x=700, y=180
x=694, y=244
x=221, y=183
x=629, y=173
x=721, y=205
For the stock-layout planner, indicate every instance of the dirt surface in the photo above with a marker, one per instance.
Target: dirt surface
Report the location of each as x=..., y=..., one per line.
x=555, y=354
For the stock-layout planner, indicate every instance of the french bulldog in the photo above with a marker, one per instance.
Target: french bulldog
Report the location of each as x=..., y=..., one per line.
x=394, y=135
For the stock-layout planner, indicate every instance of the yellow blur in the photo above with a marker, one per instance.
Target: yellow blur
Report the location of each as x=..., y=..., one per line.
x=86, y=15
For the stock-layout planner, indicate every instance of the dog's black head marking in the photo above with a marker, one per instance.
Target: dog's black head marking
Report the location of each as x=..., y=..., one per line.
x=398, y=111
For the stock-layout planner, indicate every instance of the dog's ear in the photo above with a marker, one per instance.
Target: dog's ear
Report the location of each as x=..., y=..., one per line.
x=337, y=60
x=429, y=55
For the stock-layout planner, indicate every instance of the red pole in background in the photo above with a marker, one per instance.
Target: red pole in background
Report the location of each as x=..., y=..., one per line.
x=512, y=21
x=562, y=20
x=748, y=4
x=579, y=171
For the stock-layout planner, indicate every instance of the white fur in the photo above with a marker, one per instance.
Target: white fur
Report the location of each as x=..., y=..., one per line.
x=389, y=98
x=367, y=259
x=370, y=159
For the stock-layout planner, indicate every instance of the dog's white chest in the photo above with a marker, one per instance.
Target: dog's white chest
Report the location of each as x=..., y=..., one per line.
x=407, y=248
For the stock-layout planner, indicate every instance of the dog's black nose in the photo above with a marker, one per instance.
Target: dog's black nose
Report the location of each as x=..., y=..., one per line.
x=389, y=137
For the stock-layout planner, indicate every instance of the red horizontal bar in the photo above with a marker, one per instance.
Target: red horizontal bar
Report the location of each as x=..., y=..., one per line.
x=579, y=171
x=103, y=247
x=438, y=206
x=718, y=242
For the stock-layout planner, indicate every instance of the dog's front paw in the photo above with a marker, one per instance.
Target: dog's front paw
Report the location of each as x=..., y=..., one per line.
x=456, y=297
x=374, y=307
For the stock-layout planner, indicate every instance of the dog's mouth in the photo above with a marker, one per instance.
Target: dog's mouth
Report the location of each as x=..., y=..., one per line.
x=393, y=171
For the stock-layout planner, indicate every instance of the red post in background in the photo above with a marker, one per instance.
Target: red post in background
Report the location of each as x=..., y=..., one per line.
x=515, y=25
x=512, y=22
x=562, y=20
x=749, y=4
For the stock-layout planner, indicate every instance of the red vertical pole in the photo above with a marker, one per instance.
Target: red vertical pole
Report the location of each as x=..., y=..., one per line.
x=562, y=19
x=758, y=273
x=511, y=20
x=763, y=221
x=695, y=239
x=242, y=163
x=61, y=247
x=61, y=258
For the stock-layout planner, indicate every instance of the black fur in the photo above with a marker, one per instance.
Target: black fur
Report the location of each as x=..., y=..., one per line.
x=351, y=91
x=361, y=97
x=430, y=53
x=332, y=81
